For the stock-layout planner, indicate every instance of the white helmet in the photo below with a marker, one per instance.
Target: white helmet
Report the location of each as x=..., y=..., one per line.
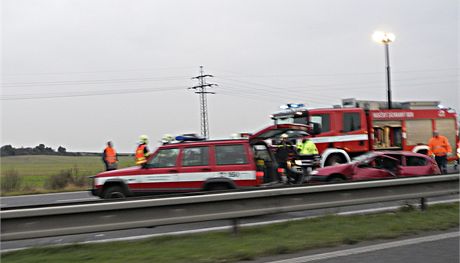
x=167, y=138
x=143, y=139
x=284, y=136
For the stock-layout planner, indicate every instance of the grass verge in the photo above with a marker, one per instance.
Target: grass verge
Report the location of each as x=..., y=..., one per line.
x=252, y=242
x=33, y=174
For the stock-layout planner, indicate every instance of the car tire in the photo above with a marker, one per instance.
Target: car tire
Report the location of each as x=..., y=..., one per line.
x=334, y=160
x=114, y=192
x=336, y=179
x=217, y=187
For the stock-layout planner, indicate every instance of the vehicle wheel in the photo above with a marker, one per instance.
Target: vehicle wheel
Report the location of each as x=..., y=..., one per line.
x=334, y=160
x=114, y=192
x=217, y=187
x=336, y=179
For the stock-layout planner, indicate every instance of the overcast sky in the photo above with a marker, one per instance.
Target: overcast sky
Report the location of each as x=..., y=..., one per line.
x=78, y=73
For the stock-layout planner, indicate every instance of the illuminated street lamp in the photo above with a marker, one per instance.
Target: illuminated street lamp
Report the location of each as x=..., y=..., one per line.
x=386, y=38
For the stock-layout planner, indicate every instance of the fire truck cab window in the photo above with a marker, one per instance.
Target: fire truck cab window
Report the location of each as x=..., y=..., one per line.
x=323, y=120
x=351, y=121
x=230, y=154
x=164, y=158
x=195, y=156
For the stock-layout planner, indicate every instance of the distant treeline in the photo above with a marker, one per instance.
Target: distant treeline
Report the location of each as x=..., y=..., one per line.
x=41, y=149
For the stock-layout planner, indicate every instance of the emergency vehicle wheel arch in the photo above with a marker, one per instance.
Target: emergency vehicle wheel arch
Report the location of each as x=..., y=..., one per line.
x=219, y=181
x=421, y=149
x=115, y=182
x=328, y=152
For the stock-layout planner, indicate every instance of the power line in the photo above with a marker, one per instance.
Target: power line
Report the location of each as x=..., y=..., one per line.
x=83, y=94
x=94, y=71
x=84, y=82
x=200, y=89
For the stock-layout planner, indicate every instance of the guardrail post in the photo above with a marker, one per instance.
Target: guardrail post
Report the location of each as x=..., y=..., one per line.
x=423, y=204
x=235, y=226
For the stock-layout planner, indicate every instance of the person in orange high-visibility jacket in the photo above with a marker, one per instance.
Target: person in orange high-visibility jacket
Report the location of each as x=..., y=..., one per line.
x=439, y=148
x=109, y=157
x=142, y=152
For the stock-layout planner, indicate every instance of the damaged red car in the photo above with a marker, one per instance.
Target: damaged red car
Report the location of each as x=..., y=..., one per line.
x=378, y=165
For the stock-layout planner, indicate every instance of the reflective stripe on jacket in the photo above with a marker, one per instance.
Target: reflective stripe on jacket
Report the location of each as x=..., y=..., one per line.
x=110, y=155
x=439, y=146
x=140, y=155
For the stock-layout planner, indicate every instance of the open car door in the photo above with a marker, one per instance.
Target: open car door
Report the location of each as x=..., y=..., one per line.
x=274, y=131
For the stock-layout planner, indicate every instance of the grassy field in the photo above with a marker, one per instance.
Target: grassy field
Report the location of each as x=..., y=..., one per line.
x=35, y=170
x=252, y=242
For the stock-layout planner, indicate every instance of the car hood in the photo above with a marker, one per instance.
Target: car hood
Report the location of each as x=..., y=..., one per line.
x=118, y=172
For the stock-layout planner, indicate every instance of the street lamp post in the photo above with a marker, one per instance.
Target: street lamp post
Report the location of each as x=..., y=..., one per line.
x=386, y=38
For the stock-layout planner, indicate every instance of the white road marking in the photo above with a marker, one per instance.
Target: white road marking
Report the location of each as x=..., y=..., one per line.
x=360, y=250
x=76, y=200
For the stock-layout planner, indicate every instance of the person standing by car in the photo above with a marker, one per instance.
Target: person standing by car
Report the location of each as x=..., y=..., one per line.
x=109, y=157
x=142, y=152
x=439, y=148
x=284, y=154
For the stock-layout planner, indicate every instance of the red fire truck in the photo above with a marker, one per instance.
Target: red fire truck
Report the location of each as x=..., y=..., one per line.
x=358, y=126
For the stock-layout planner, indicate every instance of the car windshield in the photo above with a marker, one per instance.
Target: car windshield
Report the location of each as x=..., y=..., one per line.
x=364, y=157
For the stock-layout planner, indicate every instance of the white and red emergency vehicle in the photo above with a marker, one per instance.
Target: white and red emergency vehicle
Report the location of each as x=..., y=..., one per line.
x=185, y=166
x=356, y=127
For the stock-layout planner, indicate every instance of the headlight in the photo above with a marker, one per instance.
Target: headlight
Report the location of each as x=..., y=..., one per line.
x=298, y=162
x=314, y=172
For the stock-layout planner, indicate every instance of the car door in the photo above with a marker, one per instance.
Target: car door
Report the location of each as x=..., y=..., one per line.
x=378, y=167
x=415, y=166
x=195, y=167
x=160, y=173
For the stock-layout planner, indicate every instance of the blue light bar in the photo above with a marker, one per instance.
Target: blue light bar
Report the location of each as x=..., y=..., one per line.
x=292, y=106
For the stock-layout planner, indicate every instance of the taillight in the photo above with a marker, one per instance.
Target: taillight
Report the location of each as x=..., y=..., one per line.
x=281, y=170
x=260, y=177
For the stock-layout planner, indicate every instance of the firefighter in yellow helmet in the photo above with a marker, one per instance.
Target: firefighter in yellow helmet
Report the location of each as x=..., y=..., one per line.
x=142, y=152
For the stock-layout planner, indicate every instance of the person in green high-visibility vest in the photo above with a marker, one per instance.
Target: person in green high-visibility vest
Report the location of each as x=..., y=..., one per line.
x=307, y=146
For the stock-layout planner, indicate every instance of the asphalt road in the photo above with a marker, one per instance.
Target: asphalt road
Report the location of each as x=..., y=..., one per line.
x=431, y=248
x=44, y=199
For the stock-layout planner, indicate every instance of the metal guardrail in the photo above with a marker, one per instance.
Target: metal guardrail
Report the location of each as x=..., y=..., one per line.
x=88, y=218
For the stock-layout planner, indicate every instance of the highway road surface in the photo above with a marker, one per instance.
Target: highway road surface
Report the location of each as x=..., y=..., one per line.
x=426, y=248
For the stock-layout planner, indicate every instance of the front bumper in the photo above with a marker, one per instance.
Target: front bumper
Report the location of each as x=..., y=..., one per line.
x=95, y=192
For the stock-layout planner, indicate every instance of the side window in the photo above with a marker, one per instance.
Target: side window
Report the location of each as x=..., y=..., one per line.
x=230, y=154
x=351, y=121
x=195, y=156
x=415, y=161
x=384, y=163
x=323, y=120
x=397, y=157
x=164, y=158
